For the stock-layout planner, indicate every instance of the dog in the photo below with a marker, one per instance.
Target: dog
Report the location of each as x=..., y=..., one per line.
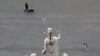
x=29, y=11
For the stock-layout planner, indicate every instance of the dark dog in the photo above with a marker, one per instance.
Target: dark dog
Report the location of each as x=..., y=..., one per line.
x=29, y=11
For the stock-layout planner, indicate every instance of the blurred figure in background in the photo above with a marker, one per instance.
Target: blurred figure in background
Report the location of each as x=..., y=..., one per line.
x=26, y=6
x=27, y=9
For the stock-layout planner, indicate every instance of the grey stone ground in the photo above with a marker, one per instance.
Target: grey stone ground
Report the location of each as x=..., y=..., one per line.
x=78, y=21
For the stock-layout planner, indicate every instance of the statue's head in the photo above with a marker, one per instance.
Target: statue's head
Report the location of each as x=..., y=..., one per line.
x=49, y=32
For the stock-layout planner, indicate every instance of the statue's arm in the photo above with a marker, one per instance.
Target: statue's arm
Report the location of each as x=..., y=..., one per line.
x=45, y=47
x=59, y=35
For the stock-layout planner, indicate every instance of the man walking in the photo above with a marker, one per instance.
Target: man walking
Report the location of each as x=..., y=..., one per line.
x=26, y=6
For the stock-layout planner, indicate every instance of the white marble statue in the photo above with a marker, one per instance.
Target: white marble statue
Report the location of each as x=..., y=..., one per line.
x=51, y=45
